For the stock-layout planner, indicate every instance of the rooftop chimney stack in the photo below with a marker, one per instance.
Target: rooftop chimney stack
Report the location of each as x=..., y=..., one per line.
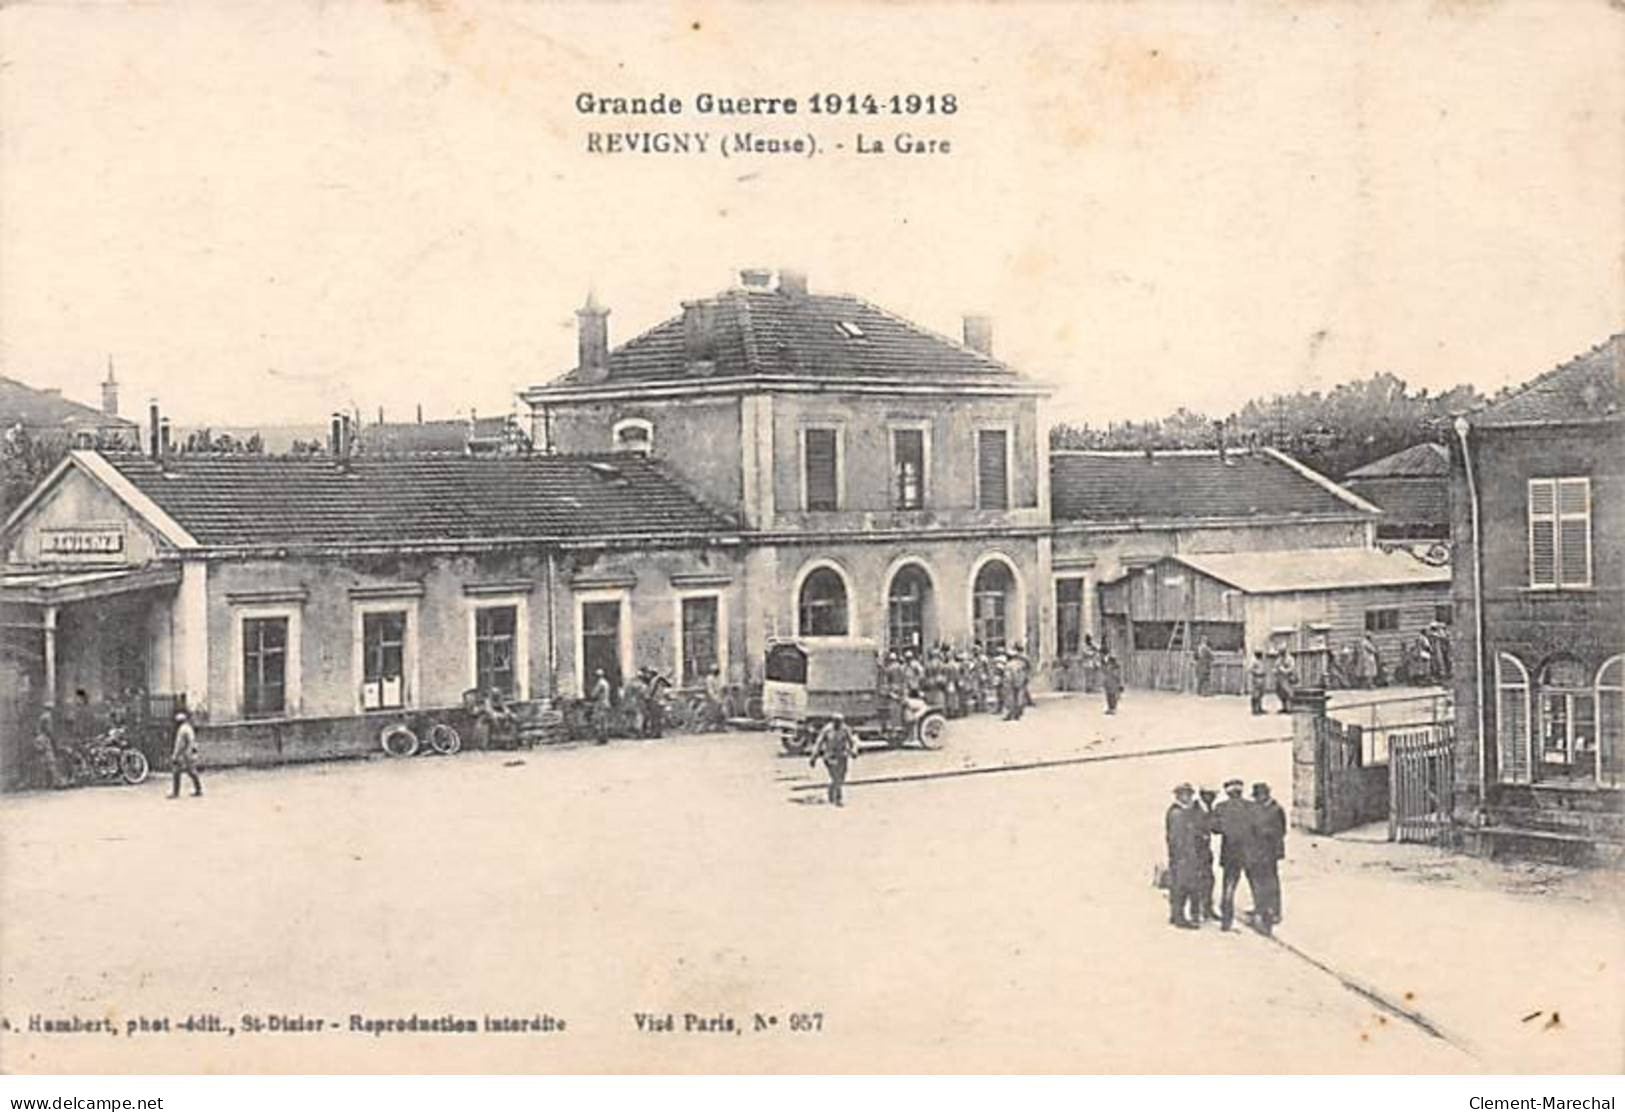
x=700, y=334
x=110, y=391
x=592, y=339
x=163, y=440
x=979, y=333
x=755, y=278
x=793, y=283
x=335, y=437
x=153, y=443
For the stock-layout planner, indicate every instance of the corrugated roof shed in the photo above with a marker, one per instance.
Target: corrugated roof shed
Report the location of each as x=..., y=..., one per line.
x=1195, y=485
x=1585, y=389
x=267, y=500
x=1315, y=569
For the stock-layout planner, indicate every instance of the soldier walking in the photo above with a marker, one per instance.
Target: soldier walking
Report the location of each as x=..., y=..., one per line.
x=1257, y=682
x=835, y=746
x=1233, y=821
x=1268, y=848
x=1286, y=679
x=183, y=758
x=1204, y=667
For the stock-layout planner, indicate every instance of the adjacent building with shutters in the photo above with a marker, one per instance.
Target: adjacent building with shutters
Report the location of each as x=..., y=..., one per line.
x=891, y=482
x=1538, y=500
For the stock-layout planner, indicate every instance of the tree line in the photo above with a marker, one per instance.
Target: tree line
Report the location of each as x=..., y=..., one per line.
x=1334, y=432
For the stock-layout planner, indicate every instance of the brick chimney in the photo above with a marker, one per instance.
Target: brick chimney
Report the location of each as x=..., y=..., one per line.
x=755, y=278
x=592, y=339
x=979, y=333
x=700, y=334
x=110, y=391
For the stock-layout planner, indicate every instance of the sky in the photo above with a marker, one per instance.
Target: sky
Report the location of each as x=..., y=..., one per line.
x=263, y=212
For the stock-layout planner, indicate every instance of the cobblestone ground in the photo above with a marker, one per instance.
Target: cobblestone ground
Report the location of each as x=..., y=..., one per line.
x=962, y=923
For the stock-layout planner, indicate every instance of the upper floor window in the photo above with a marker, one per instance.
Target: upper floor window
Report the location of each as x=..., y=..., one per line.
x=633, y=435
x=908, y=469
x=821, y=468
x=1560, y=532
x=992, y=469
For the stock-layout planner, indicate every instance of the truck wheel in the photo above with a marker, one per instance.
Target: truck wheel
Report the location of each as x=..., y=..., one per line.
x=398, y=741
x=444, y=740
x=932, y=728
x=794, y=742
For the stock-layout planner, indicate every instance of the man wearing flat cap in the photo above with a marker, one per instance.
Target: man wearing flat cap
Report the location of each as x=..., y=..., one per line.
x=1182, y=824
x=1233, y=822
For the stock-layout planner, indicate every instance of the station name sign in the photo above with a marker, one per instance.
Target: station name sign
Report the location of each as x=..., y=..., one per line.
x=97, y=542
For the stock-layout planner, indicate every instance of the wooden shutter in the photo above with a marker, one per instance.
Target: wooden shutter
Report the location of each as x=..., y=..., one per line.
x=993, y=480
x=1542, y=533
x=1574, y=532
x=818, y=450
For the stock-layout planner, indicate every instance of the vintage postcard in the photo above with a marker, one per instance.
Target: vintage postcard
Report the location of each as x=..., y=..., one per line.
x=795, y=538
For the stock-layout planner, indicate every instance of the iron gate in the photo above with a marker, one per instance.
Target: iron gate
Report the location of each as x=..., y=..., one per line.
x=1421, y=781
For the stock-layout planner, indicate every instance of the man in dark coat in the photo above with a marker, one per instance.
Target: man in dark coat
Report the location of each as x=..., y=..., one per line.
x=1233, y=822
x=1204, y=667
x=1268, y=848
x=1111, y=681
x=1181, y=825
x=1204, y=853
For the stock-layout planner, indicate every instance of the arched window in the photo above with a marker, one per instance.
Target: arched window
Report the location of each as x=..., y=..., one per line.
x=1611, y=721
x=1568, y=722
x=907, y=601
x=991, y=606
x=822, y=606
x=633, y=434
x=1512, y=718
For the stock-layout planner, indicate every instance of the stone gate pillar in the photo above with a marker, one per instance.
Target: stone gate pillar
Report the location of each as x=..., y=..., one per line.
x=1310, y=805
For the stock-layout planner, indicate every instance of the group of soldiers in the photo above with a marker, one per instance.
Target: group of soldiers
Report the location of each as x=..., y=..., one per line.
x=642, y=700
x=1099, y=670
x=1252, y=842
x=958, y=681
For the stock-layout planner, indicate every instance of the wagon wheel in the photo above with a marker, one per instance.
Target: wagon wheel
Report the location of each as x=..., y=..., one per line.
x=443, y=739
x=932, y=729
x=133, y=766
x=398, y=740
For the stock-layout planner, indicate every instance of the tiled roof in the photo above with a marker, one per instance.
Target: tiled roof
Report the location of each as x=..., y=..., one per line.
x=1129, y=486
x=1316, y=569
x=1427, y=460
x=268, y=500
x=1585, y=389
x=1407, y=500
x=759, y=332
x=23, y=404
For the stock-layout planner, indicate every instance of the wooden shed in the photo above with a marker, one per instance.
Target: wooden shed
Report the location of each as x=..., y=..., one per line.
x=1310, y=602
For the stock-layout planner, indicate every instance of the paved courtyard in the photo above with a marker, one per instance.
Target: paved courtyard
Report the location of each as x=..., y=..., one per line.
x=948, y=923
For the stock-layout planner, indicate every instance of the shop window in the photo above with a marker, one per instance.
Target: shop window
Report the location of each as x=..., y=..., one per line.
x=699, y=637
x=1512, y=718
x=822, y=606
x=1385, y=620
x=1560, y=532
x=992, y=469
x=496, y=636
x=821, y=468
x=383, y=660
x=908, y=469
x=265, y=666
x=1568, y=722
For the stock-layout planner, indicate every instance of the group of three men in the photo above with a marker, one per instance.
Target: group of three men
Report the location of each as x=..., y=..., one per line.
x=1252, y=842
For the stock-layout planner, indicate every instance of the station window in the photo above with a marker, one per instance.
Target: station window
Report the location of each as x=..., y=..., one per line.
x=383, y=660
x=699, y=617
x=265, y=666
x=496, y=632
x=908, y=469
